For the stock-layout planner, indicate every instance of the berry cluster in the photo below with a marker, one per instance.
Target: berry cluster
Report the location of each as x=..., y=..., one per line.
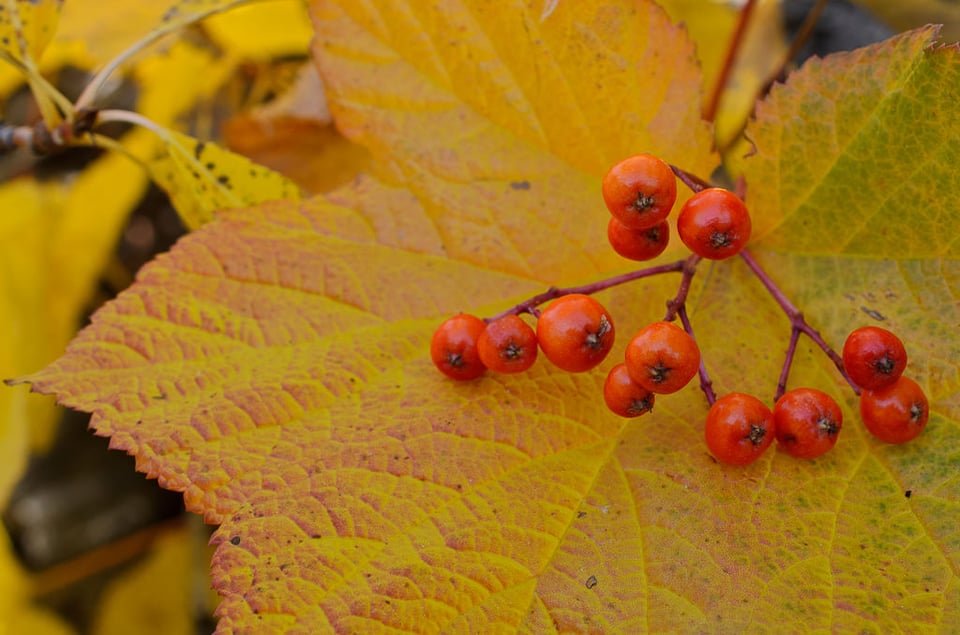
x=575, y=332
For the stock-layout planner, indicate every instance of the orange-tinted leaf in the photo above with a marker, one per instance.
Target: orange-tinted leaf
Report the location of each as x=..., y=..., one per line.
x=460, y=101
x=314, y=156
x=295, y=136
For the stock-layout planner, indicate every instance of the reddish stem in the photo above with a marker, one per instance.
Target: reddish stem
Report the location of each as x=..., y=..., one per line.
x=787, y=361
x=736, y=40
x=706, y=384
x=797, y=321
x=529, y=306
x=694, y=182
x=679, y=301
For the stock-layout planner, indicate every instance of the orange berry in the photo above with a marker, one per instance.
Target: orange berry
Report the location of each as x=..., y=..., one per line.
x=640, y=191
x=508, y=345
x=662, y=357
x=575, y=332
x=453, y=347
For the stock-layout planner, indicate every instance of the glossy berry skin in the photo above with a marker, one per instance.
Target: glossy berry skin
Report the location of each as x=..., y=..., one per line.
x=508, y=345
x=638, y=244
x=714, y=223
x=895, y=413
x=453, y=347
x=662, y=357
x=624, y=396
x=873, y=357
x=640, y=191
x=575, y=332
x=738, y=429
x=807, y=422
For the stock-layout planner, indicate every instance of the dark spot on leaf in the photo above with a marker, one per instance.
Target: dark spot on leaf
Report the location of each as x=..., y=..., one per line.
x=591, y=582
x=199, y=149
x=235, y=540
x=520, y=185
x=223, y=179
x=210, y=165
x=876, y=315
x=581, y=514
x=908, y=493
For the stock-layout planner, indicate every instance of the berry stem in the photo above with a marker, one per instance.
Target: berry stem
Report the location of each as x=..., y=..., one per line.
x=787, y=361
x=694, y=182
x=797, y=321
x=529, y=306
x=677, y=303
x=706, y=384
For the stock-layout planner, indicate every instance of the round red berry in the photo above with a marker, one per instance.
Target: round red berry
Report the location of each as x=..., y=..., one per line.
x=807, y=422
x=738, y=429
x=662, y=357
x=895, y=413
x=640, y=191
x=453, y=347
x=638, y=244
x=507, y=345
x=873, y=357
x=624, y=396
x=575, y=332
x=714, y=223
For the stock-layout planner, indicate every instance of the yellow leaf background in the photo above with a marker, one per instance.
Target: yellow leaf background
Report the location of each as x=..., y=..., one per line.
x=273, y=366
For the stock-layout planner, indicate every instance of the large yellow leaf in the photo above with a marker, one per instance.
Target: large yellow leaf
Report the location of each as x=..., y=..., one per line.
x=274, y=365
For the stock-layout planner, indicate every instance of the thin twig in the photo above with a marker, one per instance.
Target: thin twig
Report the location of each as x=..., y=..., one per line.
x=679, y=301
x=797, y=321
x=706, y=384
x=733, y=48
x=694, y=182
x=529, y=306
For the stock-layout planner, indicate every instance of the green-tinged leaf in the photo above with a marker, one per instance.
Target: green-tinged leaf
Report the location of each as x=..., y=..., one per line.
x=855, y=154
x=201, y=177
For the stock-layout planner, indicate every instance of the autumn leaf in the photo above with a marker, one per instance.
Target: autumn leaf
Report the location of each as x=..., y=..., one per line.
x=274, y=366
x=201, y=177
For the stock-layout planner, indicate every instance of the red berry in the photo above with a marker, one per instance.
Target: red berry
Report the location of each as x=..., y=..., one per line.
x=873, y=357
x=738, y=428
x=638, y=244
x=508, y=345
x=895, y=413
x=624, y=396
x=454, y=347
x=575, y=332
x=714, y=223
x=662, y=357
x=807, y=422
x=640, y=191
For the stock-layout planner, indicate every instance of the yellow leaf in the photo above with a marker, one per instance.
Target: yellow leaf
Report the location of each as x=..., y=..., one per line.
x=17, y=613
x=27, y=26
x=201, y=177
x=915, y=14
x=274, y=365
x=242, y=31
x=54, y=242
x=156, y=596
